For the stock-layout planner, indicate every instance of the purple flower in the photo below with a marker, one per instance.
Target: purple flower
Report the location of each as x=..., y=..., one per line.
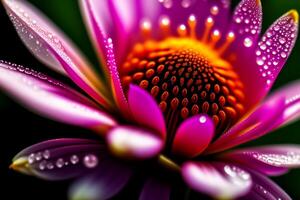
x=184, y=82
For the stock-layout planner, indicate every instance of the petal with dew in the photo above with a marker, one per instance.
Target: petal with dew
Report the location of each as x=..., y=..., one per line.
x=155, y=189
x=145, y=111
x=246, y=25
x=253, y=126
x=59, y=159
x=275, y=47
x=134, y=143
x=193, y=136
x=270, y=160
x=219, y=180
x=51, y=98
x=109, y=179
x=53, y=48
x=264, y=188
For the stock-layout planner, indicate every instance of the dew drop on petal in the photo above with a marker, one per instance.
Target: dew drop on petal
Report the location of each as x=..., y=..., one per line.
x=74, y=159
x=248, y=42
x=60, y=163
x=90, y=161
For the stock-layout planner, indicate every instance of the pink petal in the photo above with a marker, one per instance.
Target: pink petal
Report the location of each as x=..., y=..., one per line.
x=291, y=110
x=270, y=160
x=134, y=143
x=58, y=159
x=193, y=136
x=275, y=46
x=117, y=88
x=51, y=98
x=145, y=110
x=257, y=124
x=219, y=180
x=108, y=19
x=264, y=188
x=52, y=47
x=104, y=183
x=246, y=25
x=155, y=189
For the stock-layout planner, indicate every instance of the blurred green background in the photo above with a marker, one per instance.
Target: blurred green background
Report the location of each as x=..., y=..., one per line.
x=65, y=13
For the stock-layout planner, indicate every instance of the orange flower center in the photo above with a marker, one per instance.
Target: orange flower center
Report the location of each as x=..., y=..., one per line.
x=186, y=76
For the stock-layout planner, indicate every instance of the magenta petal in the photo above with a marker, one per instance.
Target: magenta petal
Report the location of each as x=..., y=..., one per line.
x=53, y=48
x=275, y=46
x=264, y=188
x=257, y=124
x=193, y=136
x=145, y=110
x=59, y=159
x=117, y=88
x=51, y=98
x=246, y=25
x=155, y=189
x=219, y=180
x=108, y=19
x=134, y=143
x=270, y=160
x=104, y=183
x=291, y=110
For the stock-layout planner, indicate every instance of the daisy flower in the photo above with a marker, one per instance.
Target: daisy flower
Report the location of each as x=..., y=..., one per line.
x=184, y=82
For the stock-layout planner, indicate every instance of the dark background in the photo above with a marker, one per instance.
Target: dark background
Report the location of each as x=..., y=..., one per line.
x=20, y=128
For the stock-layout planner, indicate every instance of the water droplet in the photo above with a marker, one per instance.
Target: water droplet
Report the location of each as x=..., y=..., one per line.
x=38, y=156
x=248, y=42
x=259, y=61
x=50, y=165
x=42, y=165
x=74, y=159
x=214, y=10
x=90, y=161
x=31, y=158
x=60, y=163
x=46, y=154
x=283, y=55
x=282, y=40
x=186, y=3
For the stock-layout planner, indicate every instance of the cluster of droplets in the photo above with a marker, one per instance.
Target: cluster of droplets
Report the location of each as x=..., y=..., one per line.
x=248, y=19
x=30, y=78
x=29, y=72
x=264, y=193
x=290, y=158
x=275, y=46
x=44, y=161
x=235, y=172
x=39, y=40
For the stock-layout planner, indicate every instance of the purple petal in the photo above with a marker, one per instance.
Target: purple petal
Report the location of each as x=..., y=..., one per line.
x=51, y=98
x=193, y=136
x=134, y=143
x=257, y=124
x=219, y=180
x=59, y=159
x=145, y=110
x=246, y=25
x=155, y=189
x=53, y=48
x=117, y=88
x=107, y=181
x=270, y=160
x=108, y=19
x=264, y=188
x=275, y=46
x=291, y=112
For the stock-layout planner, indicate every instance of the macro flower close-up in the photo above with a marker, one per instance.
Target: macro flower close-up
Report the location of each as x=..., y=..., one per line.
x=179, y=85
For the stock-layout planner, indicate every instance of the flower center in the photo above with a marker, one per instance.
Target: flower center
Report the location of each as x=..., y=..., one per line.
x=186, y=75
